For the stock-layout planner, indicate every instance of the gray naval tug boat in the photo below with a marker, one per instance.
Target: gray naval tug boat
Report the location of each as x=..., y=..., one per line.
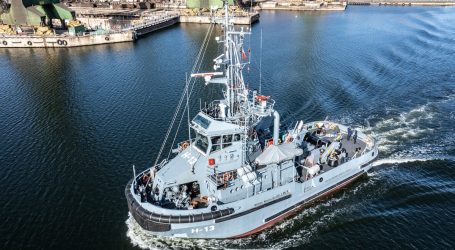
x=243, y=172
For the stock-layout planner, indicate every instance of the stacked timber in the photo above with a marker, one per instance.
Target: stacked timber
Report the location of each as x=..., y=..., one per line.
x=6, y=29
x=74, y=23
x=43, y=31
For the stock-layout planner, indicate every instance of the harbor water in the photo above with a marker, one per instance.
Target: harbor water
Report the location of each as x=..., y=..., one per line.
x=74, y=121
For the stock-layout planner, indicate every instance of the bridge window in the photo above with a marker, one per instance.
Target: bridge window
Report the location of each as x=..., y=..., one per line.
x=201, y=143
x=201, y=121
x=227, y=140
x=216, y=143
x=219, y=142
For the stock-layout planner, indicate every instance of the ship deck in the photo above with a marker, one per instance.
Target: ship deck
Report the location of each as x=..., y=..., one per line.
x=329, y=134
x=350, y=147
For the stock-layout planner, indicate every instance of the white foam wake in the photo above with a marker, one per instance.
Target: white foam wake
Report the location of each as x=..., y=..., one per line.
x=145, y=240
x=410, y=128
x=403, y=127
x=393, y=132
x=398, y=161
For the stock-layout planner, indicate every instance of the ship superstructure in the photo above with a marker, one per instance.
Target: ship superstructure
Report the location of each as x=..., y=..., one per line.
x=244, y=171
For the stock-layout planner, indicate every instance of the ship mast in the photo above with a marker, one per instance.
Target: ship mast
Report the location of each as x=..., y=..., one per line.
x=236, y=101
x=233, y=52
x=236, y=95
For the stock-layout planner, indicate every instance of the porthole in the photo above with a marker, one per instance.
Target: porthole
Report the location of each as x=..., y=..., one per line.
x=321, y=179
x=372, y=154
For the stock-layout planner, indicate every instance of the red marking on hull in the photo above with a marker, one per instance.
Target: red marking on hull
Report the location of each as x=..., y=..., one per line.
x=295, y=210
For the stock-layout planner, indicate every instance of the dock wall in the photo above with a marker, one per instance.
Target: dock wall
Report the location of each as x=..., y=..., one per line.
x=126, y=34
x=56, y=41
x=146, y=28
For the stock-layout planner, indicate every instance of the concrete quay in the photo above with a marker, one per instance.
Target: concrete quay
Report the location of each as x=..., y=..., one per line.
x=127, y=31
x=63, y=41
x=112, y=27
x=149, y=26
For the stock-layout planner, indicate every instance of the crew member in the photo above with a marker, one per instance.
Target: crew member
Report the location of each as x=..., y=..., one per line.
x=349, y=134
x=354, y=137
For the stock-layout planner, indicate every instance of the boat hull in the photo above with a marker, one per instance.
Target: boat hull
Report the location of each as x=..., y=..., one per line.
x=257, y=213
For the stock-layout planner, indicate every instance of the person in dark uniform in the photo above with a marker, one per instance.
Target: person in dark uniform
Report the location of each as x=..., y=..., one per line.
x=354, y=137
x=349, y=134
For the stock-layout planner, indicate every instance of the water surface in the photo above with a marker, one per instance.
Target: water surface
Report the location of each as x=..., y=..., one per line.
x=73, y=121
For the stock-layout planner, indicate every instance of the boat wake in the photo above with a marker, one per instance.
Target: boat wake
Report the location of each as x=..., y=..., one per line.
x=404, y=137
x=399, y=161
x=413, y=133
x=404, y=127
x=145, y=240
